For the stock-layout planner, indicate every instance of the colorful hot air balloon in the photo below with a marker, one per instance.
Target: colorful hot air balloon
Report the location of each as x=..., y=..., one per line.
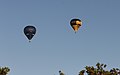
x=29, y=31
x=75, y=23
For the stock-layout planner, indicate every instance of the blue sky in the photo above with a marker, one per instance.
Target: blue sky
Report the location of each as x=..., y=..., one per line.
x=55, y=45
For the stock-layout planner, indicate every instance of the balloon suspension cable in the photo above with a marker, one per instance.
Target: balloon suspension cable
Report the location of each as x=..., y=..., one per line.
x=30, y=37
x=29, y=40
x=75, y=32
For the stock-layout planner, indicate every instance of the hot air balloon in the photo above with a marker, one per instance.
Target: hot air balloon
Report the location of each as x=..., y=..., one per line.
x=29, y=31
x=75, y=23
x=61, y=73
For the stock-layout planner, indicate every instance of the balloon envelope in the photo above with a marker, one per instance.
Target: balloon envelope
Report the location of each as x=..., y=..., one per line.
x=29, y=31
x=75, y=23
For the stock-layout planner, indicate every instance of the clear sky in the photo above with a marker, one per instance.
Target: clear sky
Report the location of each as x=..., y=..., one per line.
x=55, y=46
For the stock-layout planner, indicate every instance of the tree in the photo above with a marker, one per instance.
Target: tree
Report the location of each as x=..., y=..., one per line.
x=99, y=70
x=4, y=70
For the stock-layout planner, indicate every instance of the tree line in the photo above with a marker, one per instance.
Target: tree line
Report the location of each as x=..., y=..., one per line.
x=89, y=70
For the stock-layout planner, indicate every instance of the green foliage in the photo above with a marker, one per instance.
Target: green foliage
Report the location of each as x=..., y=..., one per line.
x=4, y=70
x=99, y=70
